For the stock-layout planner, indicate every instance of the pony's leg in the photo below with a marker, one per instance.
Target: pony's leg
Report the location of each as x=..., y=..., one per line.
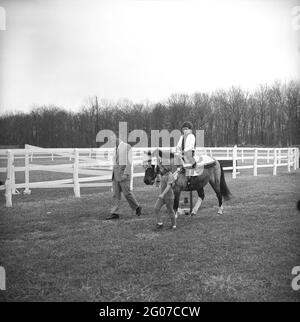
x=177, y=193
x=199, y=201
x=215, y=184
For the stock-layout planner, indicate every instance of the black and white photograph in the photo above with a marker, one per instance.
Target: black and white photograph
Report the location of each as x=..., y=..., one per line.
x=149, y=153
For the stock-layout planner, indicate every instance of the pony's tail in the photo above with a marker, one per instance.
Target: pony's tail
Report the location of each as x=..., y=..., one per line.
x=223, y=186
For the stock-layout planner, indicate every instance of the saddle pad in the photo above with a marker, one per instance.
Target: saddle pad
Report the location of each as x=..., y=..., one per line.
x=204, y=158
x=199, y=169
x=194, y=172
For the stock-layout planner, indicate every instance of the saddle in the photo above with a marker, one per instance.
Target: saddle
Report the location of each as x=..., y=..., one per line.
x=205, y=163
x=202, y=162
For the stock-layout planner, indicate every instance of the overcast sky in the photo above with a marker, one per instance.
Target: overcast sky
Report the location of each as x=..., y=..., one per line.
x=64, y=51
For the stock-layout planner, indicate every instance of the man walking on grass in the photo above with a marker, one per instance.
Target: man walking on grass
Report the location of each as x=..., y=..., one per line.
x=121, y=178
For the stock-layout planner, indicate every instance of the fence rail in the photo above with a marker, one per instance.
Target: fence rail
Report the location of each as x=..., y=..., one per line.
x=97, y=165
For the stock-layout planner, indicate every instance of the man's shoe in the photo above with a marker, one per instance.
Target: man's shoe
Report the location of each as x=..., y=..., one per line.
x=112, y=216
x=158, y=227
x=138, y=211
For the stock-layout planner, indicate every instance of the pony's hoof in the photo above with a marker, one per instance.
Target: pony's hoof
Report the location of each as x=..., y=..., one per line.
x=220, y=213
x=193, y=214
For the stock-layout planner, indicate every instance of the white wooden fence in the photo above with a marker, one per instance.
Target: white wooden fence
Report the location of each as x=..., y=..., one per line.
x=96, y=165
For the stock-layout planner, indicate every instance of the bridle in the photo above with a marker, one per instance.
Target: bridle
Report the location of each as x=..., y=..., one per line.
x=149, y=165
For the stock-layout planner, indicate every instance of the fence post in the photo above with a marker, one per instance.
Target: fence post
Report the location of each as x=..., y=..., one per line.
x=268, y=156
x=234, y=157
x=13, y=177
x=275, y=163
x=279, y=156
x=8, y=187
x=242, y=149
x=289, y=160
x=255, y=162
x=27, y=190
x=31, y=158
x=293, y=159
x=75, y=174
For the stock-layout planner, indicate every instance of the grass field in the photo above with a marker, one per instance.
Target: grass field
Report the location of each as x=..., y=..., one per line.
x=55, y=247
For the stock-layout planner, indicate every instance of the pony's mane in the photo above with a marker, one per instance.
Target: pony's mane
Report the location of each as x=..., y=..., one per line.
x=162, y=153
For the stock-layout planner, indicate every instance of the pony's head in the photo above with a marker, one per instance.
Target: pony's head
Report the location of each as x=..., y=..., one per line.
x=164, y=162
x=151, y=171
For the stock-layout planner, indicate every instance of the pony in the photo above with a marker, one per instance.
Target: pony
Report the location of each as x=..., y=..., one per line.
x=212, y=174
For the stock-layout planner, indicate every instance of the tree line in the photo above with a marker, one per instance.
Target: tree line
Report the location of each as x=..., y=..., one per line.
x=268, y=116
